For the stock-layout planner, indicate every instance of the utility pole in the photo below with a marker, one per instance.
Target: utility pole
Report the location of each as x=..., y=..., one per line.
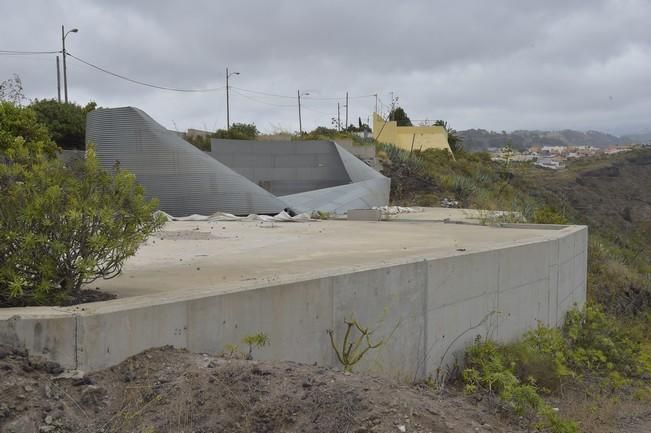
x=228, y=109
x=346, y=125
x=338, y=118
x=65, y=75
x=58, y=81
x=300, y=121
x=375, y=94
x=63, y=52
x=228, y=106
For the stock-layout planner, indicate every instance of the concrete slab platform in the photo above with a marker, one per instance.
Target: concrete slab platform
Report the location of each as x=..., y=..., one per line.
x=188, y=256
x=427, y=286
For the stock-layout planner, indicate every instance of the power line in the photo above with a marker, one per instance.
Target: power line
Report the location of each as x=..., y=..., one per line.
x=324, y=98
x=263, y=93
x=142, y=83
x=260, y=101
x=317, y=111
x=176, y=89
x=337, y=98
x=25, y=53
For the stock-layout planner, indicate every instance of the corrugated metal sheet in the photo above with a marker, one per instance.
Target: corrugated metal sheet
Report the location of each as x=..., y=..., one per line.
x=283, y=167
x=182, y=177
x=303, y=175
x=368, y=189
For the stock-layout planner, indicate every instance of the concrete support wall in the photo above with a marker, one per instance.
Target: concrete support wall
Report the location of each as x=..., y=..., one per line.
x=430, y=309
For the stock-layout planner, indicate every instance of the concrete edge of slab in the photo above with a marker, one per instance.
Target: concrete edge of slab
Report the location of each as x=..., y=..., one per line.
x=434, y=299
x=132, y=302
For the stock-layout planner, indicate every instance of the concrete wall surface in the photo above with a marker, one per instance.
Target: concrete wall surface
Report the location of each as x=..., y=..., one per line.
x=427, y=309
x=409, y=137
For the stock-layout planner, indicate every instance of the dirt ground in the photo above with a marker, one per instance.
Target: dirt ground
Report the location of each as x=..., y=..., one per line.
x=171, y=390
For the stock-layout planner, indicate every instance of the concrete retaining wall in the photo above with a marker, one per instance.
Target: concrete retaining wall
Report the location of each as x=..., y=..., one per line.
x=430, y=308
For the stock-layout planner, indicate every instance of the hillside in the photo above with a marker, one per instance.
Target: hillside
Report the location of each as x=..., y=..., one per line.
x=481, y=139
x=610, y=194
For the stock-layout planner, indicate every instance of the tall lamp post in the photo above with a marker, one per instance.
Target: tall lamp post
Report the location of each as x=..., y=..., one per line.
x=228, y=108
x=63, y=52
x=300, y=121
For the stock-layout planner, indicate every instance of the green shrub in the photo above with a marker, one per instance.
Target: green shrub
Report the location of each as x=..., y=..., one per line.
x=411, y=161
x=591, y=343
x=463, y=187
x=201, y=142
x=238, y=131
x=65, y=122
x=599, y=344
x=541, y=355
x=62, y=227
x=255, y=340
x=488, y=369
x=549, y=215
x=22, y=137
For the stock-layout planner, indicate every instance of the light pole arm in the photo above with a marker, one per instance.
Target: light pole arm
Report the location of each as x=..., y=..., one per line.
x=63, y=53
x=65, y=71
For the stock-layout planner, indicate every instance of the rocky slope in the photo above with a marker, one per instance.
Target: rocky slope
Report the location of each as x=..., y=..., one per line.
x=170, y=390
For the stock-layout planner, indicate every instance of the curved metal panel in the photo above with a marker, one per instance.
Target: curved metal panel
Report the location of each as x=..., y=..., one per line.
x=283, y=167
x=340, y=199
x=308, y=175
x=185, y=179
x=238, y=176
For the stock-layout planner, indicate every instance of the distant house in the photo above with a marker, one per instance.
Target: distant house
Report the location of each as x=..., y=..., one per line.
x=617, y=149
x=198, y=133
x=550, y=163
x=554, y=150
x=410, y=137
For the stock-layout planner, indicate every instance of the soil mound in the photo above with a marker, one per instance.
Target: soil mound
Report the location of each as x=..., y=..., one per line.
x=171, y=390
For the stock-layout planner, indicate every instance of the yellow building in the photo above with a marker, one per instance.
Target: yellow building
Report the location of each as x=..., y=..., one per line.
x=409, y=137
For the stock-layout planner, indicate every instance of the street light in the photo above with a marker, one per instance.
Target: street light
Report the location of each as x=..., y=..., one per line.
x=63, y=51
x=300, y=122
x=228, y=109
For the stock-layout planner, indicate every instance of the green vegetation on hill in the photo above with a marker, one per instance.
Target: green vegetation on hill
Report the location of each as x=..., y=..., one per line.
x=607, y=193
x=591, y=352
x=601, y=356
x=237, y=131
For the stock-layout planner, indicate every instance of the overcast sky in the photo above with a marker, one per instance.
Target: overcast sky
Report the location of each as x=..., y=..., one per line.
x=499, y=65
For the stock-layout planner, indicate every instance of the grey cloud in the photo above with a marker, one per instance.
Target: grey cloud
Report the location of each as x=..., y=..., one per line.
x=503, y=64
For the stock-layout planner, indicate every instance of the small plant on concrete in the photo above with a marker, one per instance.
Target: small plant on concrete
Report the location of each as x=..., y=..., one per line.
x=232, y=351
x=320, y=215
x=353, y=349
x=256, y=340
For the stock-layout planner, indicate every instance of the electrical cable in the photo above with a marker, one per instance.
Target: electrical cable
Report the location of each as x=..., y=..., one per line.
x=316, y=111
x=342, y=98
x=142, y=83
x=25, y=53
x=276, y=95
x=263, y=93
x=260, y=101
x=176, y=89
